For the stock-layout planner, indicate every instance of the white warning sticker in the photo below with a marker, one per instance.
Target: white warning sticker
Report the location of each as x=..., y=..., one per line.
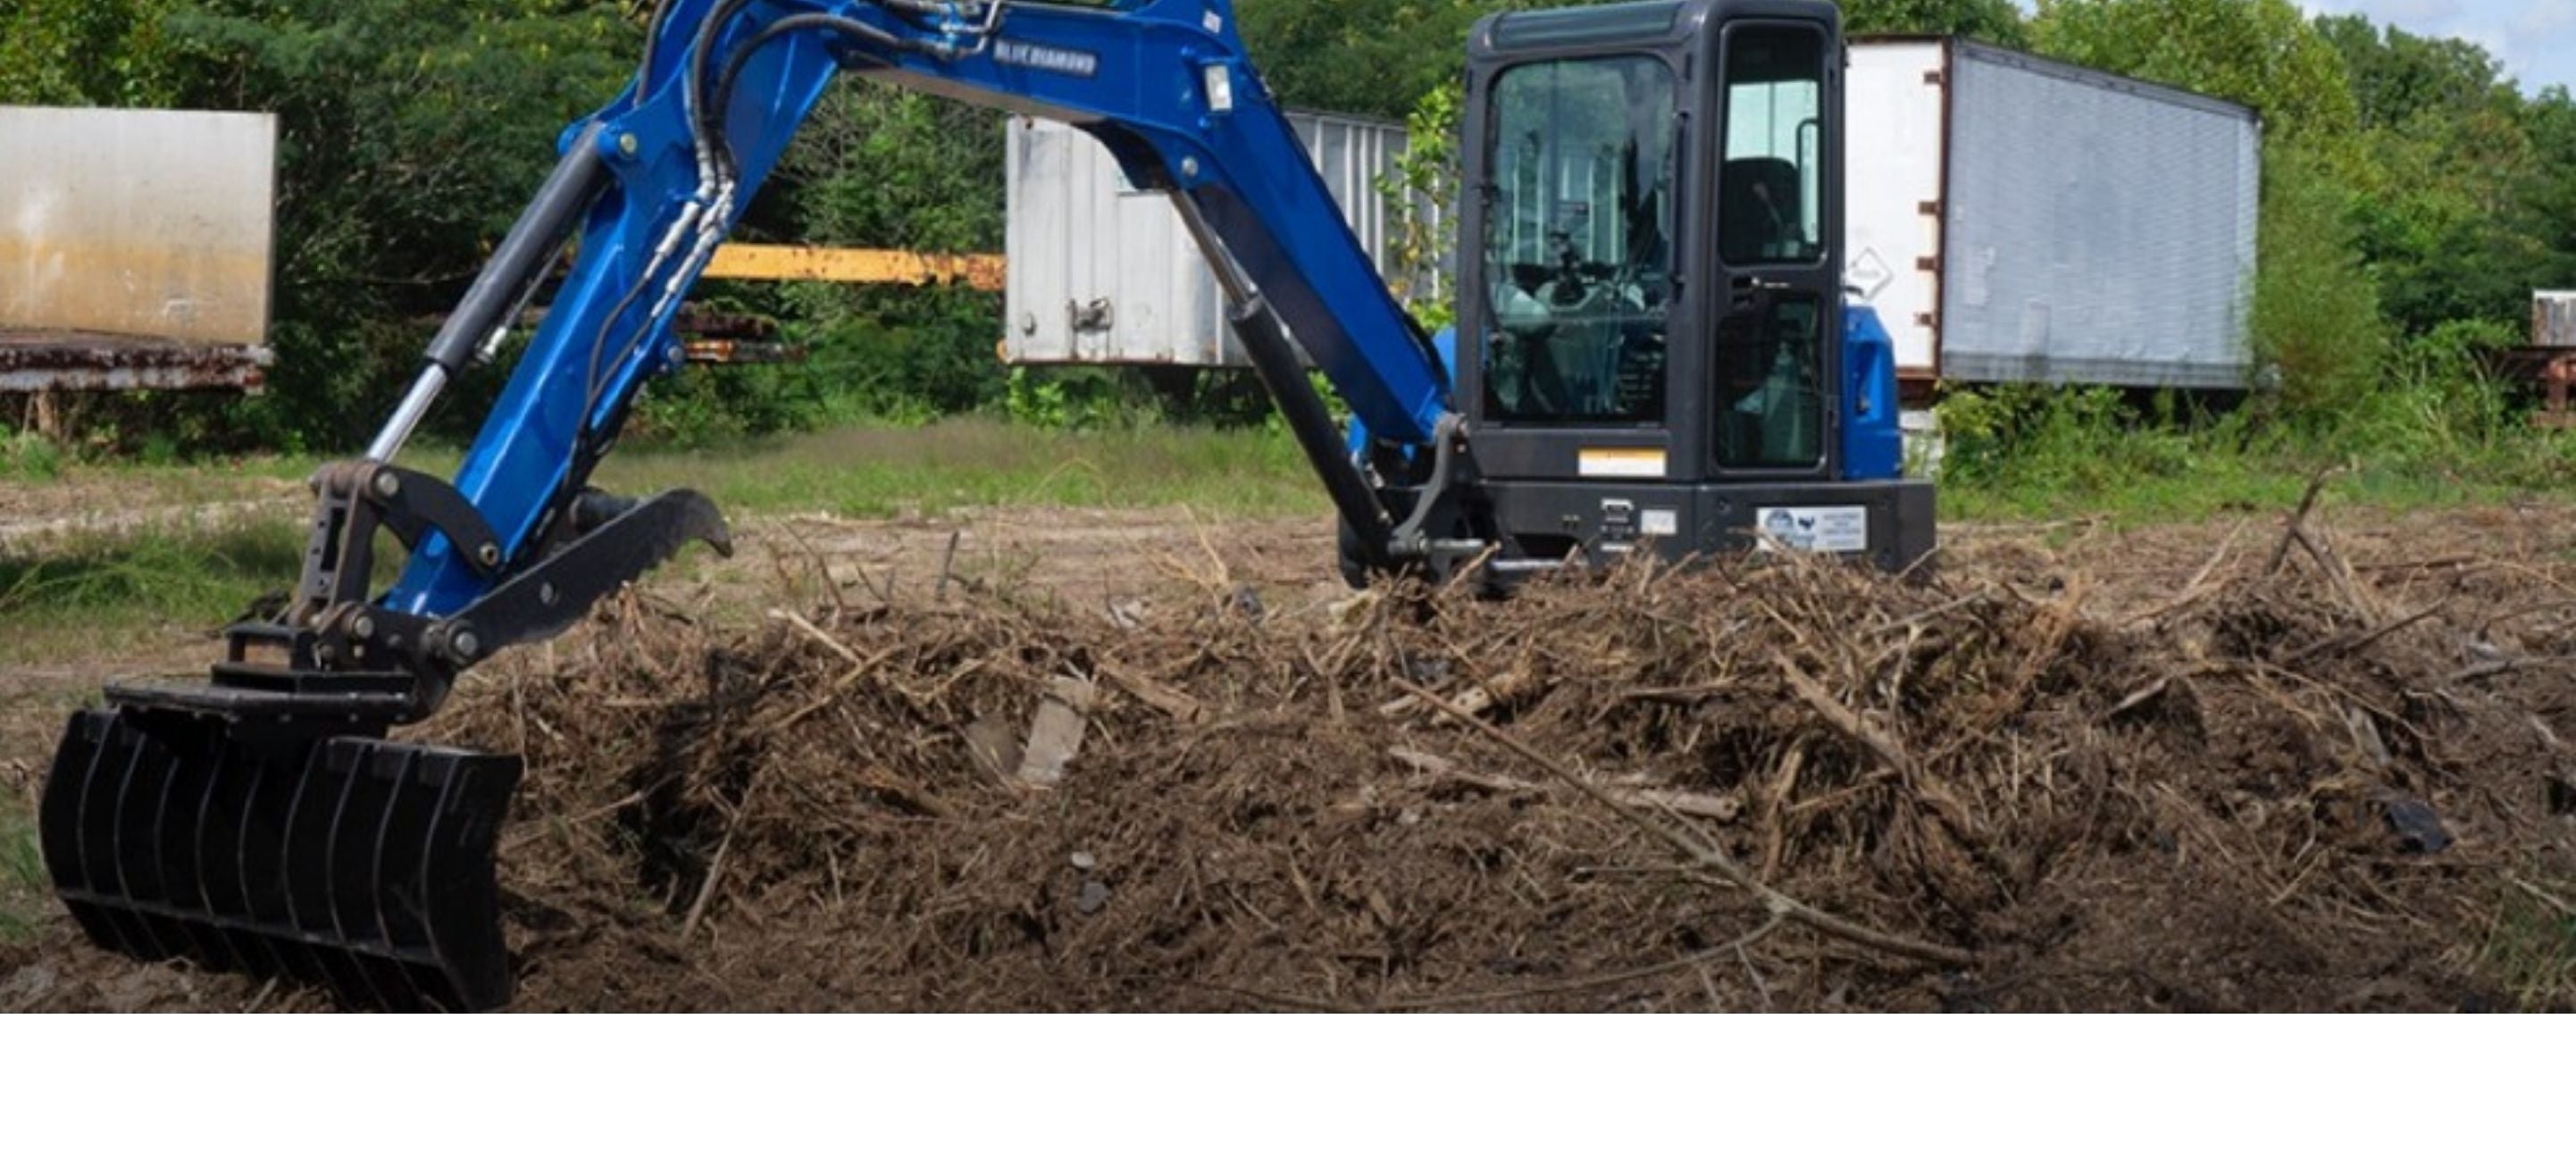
x=1837, y=529
x=1660, y=522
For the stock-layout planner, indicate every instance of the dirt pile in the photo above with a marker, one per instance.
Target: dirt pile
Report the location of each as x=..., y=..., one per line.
x=2284, y=784
x=2277, y=789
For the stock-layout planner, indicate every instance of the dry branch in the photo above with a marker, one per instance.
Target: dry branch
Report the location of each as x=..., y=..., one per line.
x=1706, y=854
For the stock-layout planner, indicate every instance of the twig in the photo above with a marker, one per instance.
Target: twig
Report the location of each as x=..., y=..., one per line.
x=716, y=865
x=2147, y=692
x=1934, y=613
x=2338, y=574
x=2345, y=642
x=947, y=564
x=2307, y=500
x=1587, y=983
x=2192, y=590
x=2486, y=669
x=1441, y=771
x=822, y=570
x=2564, y=907
x=1842, y=718
x=1707, y=854
x=819, y=637
x=2418, y=565
x=1763, y=989
x=2486, y=629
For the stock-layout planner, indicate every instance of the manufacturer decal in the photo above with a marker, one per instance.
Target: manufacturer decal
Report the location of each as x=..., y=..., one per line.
x=1072, y=62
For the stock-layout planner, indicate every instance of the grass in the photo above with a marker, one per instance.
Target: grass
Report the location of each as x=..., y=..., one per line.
x=23, y=465
x=90, y=594
x=2532, y=950
x=868, y=470
x=2208, y=485
x=873, y=471
x=22, y=874
x=106, y=593
x=2435, y=436
x=2432, y=438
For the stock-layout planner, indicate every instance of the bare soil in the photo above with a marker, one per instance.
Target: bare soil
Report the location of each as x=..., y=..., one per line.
x=2210, y=767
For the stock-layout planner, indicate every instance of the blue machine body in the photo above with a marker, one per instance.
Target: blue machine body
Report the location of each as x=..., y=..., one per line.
x=1873, y=442
x=1165, y=84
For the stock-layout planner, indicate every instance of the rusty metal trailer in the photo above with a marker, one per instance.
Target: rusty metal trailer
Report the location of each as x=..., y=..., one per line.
x=134, y=252
x=2550, y=360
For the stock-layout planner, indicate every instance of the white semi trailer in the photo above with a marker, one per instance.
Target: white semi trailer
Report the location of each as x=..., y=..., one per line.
x=2018, y=219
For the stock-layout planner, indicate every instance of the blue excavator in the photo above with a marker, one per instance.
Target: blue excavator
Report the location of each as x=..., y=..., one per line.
x=1653, y=355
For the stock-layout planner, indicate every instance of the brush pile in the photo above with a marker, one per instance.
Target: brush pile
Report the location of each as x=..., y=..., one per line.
x=1776, y=784
x=2284, y=783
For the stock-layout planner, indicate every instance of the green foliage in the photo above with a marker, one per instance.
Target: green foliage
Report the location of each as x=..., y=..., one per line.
x=26, y=455
x=1421, y=190
x=875, y=167
x=22, y=874
x=1992, y=21
x=2446, y=219
x=2058, y=441
x=84, y=52
x=87, y=591
x=2407, y=186
x=2434, y=427
x=2261, y=53
x=879, y=470
x=2316, y=320
x=1075, y=399
x=411, y=134
x=2531, y=948
x=2549, y=194
x=1373, y=57
x=2437, y=410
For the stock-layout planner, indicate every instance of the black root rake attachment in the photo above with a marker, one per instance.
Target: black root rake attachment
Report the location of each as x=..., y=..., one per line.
x=261, y=821
x=284, y=850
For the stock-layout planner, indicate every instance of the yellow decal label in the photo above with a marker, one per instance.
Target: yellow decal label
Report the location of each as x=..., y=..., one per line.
x=1626, y=462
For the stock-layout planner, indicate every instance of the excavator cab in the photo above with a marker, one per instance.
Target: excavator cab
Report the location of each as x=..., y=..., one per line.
x=1652, y=334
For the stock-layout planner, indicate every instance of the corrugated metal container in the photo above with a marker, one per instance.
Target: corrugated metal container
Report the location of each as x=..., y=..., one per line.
x=136, y=222
x=2022, y=219
x=1101, y=272
x=2553, y=318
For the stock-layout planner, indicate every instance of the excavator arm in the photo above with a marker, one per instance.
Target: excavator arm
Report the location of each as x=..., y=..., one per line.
x=655, y=181
x=262, y=819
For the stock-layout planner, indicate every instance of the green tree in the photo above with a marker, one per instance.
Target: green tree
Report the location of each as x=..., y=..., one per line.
x=410, y=135
x=1992, y=21
x=2316, y=313
x=887, y=168
x=2448, y=220
x=84, y=52
x=2261, y=53
x=2550, y=198
x=1373, y=57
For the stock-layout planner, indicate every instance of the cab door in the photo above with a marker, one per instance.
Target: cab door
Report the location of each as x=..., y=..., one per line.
x=1778, y=211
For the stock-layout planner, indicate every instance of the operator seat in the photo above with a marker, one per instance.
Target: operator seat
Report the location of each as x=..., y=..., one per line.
x=1758, y=213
